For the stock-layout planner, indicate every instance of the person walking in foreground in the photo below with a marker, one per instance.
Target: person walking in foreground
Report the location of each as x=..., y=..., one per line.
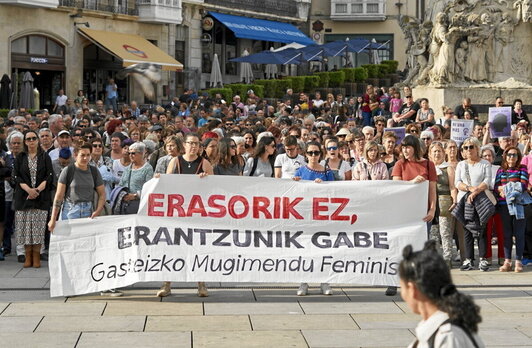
x=450, y=318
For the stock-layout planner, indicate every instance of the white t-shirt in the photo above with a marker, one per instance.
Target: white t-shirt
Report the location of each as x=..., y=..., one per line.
x=288, y=165
x=118, y=169
x=61, y=100
x=479, y=173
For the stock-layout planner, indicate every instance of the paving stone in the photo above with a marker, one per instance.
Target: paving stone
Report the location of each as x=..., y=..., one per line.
x=386, y=321
x=25, y=309
x=251, y=308
x=350, y=307
x=215, y=295
x=506, y=321
x=505, y=337
x=515, y=305
x=303, y=322
x=39, y=339
x=176, y=339
x=487, y=292
x=528, y=290
x=177, y=285
x=248, y=339
x=198, y=323
x=527, y=331
x=498, y=278
x=485, y=306
x=96, y=323
x=369, y=295
x=19, y=324
x=125, y=307
x=23, y=283
x=129, y=295
x=464, y=279
x=42, y=272
x=358, y=338
x=3, y=305
x=28, y=296
x=289, y=295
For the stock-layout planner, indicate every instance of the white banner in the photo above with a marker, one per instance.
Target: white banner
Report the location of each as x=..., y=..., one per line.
x=461, y=130
x=244, y=229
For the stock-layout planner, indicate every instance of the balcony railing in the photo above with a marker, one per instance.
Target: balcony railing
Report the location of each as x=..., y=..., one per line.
x=358, y=10
x=101, y=5
x=287, y=8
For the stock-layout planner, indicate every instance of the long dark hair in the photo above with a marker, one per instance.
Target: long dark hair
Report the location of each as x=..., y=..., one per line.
x=429, y=272
x=224, y=153
x=25, y=147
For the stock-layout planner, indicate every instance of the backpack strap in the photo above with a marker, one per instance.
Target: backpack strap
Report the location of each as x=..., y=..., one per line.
x=432, y=338
x=254, y=168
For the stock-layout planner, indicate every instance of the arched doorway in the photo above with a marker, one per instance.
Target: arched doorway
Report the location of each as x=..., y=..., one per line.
x=44, y=58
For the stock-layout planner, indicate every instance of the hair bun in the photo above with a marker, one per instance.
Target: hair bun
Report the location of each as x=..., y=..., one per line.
x=447, y=290
x=430, y=245
x=407, y=252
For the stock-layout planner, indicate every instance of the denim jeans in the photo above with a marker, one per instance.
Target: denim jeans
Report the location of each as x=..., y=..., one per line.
x=76, y=211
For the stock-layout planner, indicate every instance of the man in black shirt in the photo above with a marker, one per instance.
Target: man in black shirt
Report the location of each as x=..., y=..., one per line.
x=407, y=113
x=466, y=106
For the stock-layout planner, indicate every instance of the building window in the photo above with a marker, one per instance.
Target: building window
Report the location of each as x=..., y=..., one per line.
x=37, y=45
x=357, y=8
x=341, y=8
x=372, y=8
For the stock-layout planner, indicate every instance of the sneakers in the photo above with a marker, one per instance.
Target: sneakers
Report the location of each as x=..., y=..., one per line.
x=303, y=290
x=112, y=293
x=202, y=290
x=483, y=265
x=391, y=291
x=165, y=290
x=526, y=261
x=326, y=289
x=467, y=265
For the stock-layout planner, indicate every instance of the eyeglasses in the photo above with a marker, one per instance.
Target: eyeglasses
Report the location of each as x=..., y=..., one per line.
x=77, y=135
x=88, y=137
x=233, y=146
x=97, y=145
x=192, y=143
x=511, y=155
x=341, y=135
x=413, y=131
x=313, y=153
x=290, y=149
x=229, y=124
x=468, y=147
x=132, y=153
x=83, y=126
x=383, y=153
x=426, y=139
x=31, y=139
x=332, y=148
x=272, y=145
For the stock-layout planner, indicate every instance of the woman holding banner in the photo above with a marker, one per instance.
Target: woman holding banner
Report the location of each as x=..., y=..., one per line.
x=414, y=168
x=318, y=173
x=189, y=163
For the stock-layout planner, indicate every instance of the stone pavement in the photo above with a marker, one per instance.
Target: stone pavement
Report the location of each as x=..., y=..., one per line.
x=244, y=315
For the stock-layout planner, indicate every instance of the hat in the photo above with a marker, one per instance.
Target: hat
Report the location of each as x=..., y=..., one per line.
x=63, y=132
x=65, y=153
x=156, y=128
x=343, y=131
x=250, y=91
x=142, y=118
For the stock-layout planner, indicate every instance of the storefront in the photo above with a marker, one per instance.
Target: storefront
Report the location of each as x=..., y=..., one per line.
x=44, y=58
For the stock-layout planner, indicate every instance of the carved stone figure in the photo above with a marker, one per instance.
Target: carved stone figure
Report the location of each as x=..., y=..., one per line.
x=503, y=37
x=524, y=10
x=460, y=59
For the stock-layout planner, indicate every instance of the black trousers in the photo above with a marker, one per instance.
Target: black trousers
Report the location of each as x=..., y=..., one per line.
x=528, y=232
x=469, y=248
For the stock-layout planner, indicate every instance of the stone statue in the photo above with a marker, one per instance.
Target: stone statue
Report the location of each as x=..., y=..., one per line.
x=460, y=59
x=503, y=37
x=524, y=10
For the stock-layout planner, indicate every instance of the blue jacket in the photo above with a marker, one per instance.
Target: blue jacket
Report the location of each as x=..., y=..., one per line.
x=516, y=200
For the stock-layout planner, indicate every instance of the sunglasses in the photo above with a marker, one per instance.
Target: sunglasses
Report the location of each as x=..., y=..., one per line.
x=511, y=155
x=97, y=145
x=468, y=147
x=77, y=135
x=413, y=131
x=313, y=153
x=425, y=139
x=233, y=146
x=229, y=124
x=383, y=153
x=132, y=153
x=332, y=148
x=31, y=139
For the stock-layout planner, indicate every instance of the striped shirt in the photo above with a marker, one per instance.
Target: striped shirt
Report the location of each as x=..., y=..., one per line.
x=519, y=174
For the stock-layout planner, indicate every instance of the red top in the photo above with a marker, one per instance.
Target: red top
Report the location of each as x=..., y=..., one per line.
x=408, y=170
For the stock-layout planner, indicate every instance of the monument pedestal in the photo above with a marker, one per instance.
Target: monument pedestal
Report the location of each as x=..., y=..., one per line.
x=481, y=97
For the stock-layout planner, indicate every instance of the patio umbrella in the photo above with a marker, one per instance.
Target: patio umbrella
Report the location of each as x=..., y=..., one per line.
x=246, y=73
x=5, y=92
x=26, y=93
x=271, y=69
x=216, y=73
x=375, y=59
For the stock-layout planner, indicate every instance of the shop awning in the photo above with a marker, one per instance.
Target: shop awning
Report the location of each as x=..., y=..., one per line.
x=131, y=49
x=261, y=29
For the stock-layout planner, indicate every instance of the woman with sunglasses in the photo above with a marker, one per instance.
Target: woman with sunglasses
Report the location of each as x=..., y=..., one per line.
x=511, y=181
x=316, y=172
x=333, y=161
x=446, y=201
x=135, y=176
x=190, y=163
x=104, y=165
x=371, y=167
x=261, y=164
x=33, y=176
x=450, y=318
x=413, y=129
x=473, y=176
x=227, y=162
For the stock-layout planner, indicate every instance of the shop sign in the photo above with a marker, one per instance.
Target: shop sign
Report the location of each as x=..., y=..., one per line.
x=207, y=23
x=38, y=60
x=135, y=51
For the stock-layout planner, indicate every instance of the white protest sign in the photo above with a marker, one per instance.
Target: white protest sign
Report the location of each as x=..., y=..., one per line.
x=461, y=130
x=244, y=229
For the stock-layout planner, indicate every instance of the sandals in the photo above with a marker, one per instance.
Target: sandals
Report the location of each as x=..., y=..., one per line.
x=507, y=267
x=518, y=267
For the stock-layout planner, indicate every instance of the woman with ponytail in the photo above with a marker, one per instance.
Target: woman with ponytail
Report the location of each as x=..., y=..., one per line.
x=450, y=318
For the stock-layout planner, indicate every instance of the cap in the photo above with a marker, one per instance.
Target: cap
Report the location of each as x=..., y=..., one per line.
x=156, y=128
x=65, y=153
x=250, y=91
x=343, y=131
x=142, y=118
x=63, y=132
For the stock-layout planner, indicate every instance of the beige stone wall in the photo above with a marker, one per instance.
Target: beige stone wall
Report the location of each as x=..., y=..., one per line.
x=18, y=21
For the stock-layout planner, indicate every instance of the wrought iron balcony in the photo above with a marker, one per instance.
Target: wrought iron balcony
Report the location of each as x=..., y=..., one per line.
x=287, y=8
x=112, y=6
x=358, y=10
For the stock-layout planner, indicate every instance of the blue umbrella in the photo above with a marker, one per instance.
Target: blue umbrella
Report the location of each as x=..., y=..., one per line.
x=268, y=57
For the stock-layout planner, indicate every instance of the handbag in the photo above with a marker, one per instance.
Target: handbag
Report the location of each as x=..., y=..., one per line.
x=131, y=207
x=487, y=191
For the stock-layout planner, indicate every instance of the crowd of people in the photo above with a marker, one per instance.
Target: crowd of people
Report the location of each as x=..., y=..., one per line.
x=85, y=161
